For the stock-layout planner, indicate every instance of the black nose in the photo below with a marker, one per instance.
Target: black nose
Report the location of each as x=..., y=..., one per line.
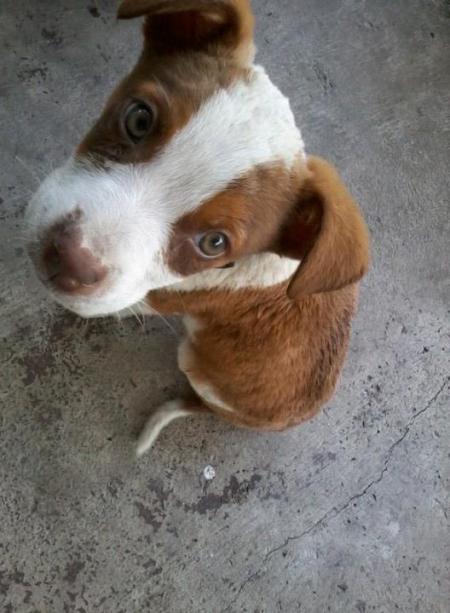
x=67, y=265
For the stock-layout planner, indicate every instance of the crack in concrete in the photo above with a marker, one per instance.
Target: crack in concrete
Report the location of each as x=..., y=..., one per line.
x=254, y=575
x=335, y=511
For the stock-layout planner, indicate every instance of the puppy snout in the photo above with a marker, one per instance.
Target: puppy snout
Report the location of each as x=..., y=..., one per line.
x=67, y=265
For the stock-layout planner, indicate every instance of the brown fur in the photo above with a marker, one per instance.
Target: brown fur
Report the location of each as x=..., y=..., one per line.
x=338, y=255
x=175, y=90
x=250, y=212
x=306, y=214
x=274, y=360
x=222, y=27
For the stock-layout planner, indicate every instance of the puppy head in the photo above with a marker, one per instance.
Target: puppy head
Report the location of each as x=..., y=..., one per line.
x=194, y=163
x=193, y=118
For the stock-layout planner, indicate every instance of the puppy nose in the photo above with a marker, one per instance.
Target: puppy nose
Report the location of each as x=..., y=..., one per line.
x=68, y=266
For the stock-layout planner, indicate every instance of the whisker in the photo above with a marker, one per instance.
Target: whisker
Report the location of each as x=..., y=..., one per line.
x=181, y=297
x=30, y=170
x=84, y=325
x=158, y=314
x=20, y=240
x=143, y=304
x=23, y=237
x=119, y=321
x=30, y=226
x=141, y=322
x=19, y=197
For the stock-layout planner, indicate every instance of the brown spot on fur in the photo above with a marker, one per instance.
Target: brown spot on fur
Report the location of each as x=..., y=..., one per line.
x=215, y=26
x=338, y=254
x=250, y=212
x=305, y=214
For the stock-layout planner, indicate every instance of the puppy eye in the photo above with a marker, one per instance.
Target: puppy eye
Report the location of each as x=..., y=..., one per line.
x=213, y=244
x=139, y=121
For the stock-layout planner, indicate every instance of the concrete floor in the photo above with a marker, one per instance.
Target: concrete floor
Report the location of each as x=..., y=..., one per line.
x=349, y=513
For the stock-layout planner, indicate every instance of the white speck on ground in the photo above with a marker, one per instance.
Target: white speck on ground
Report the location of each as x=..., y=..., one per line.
x=209, y=473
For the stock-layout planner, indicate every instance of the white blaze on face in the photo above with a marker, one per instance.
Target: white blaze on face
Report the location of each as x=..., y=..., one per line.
x=128, y=211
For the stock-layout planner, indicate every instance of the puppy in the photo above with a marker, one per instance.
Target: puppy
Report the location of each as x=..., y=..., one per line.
x=193, y=195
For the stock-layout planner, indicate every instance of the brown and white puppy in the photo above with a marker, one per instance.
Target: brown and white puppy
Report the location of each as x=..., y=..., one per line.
x=192, y=194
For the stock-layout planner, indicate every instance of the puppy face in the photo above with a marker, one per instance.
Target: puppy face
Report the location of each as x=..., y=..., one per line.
x=174, y=179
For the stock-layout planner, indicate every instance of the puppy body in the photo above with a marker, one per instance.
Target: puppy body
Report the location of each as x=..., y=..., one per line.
x=192, y=194
x=253, y=356
x=257, y=358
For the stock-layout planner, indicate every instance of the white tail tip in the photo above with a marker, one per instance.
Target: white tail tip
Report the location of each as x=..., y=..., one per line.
x=167, y=413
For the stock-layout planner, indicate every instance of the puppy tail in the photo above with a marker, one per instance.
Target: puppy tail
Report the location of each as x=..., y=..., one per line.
x=166, y=414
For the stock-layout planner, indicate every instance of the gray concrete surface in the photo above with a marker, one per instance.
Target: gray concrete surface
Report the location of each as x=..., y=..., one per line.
x=347, y=514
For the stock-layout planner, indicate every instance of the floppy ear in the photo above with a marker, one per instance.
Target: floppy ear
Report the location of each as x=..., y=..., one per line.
x=180, y=25
x=327, y=233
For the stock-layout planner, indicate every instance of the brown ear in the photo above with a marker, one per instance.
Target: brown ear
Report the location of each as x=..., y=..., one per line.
x=180, y=25
x=327, y=233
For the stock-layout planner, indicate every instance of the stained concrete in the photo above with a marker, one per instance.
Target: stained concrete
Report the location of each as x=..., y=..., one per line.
x=349, y=513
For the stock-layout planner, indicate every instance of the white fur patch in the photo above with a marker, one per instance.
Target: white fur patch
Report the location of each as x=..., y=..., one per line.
x=128, y=211
x=158, y=421
x=192, y=326
x=208, y=394
x=256, y=271
x=204, y=390
x=184, y=356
